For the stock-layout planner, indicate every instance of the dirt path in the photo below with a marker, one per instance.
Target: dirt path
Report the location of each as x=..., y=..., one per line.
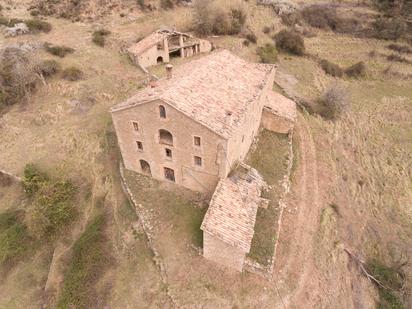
x=296, y=240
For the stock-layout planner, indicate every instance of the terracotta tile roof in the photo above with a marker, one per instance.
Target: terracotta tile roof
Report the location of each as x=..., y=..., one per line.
x=281, y=106
x=216, y=90
x=147, y=42
x=232, y=211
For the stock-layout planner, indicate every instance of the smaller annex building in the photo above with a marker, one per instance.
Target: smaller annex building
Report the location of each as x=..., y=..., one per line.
x=229, y=223
x=164, y=44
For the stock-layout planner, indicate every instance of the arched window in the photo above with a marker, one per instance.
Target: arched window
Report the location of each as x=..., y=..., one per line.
x=160, y=59
x=165, y=137
x=162, y=111
x=145, y=166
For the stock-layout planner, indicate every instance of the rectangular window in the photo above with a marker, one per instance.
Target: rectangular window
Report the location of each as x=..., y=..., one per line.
x=139, y=145
x=169, y=174
x=168, y=152
x=136, y=126
x=196, y=140
x=198, y=161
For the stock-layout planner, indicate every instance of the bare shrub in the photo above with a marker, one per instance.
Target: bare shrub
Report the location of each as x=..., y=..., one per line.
x=211, y=19
x=17, y=75
x=72, y=74
x=357, y=70
x=334, y=102
x=268, y=53
x=331, y=68
x=290, y=41
x=246, y=42
x=56, y=50
x=320, y=16
x=402, y=49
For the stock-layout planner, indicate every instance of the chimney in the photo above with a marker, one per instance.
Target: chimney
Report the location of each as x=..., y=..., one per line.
x=169, y=71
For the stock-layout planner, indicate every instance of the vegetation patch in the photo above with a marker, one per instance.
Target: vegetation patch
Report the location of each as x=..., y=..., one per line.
x=174, y=207
x=14, y=238
x=392, y=280
x=290, y=41
x=270, y=159
x=89, y=257
x=267, y=53
x=99, y=37
x=59, y=51
x=9, y=22
x=357, y=70
x=37, y=25
x=72, y=74
x=48, y=68
x=402, y=49
x=331, y=68
x=51, y=203
x=397, y=58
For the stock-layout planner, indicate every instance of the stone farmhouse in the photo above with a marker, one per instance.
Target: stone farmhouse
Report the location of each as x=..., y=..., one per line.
x=196, y=125
x=164, y=44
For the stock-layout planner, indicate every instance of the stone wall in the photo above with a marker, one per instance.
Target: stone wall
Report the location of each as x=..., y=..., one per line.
x=222, y=253
x=275, y=123
x=241, y=141
x=183, y=129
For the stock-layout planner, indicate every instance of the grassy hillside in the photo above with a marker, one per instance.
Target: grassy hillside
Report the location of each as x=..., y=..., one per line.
x=363, y=162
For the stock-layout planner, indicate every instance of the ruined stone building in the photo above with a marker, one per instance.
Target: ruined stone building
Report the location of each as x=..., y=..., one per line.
x=194, y=126
x=164, y=44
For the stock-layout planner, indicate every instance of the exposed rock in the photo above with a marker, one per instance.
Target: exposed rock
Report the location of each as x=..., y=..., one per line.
x=17, y=29
x=281, y=6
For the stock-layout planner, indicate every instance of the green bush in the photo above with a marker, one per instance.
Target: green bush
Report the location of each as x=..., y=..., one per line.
x=48, y=68
x=51, y=207
x=86, y=264
x=99, y=37
x=268, y=53
x=72, y=74
x=331, y=68
x=56, y=50
x=37, y=25
x=290, y=41
x=356, y=70
x=33, y=179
